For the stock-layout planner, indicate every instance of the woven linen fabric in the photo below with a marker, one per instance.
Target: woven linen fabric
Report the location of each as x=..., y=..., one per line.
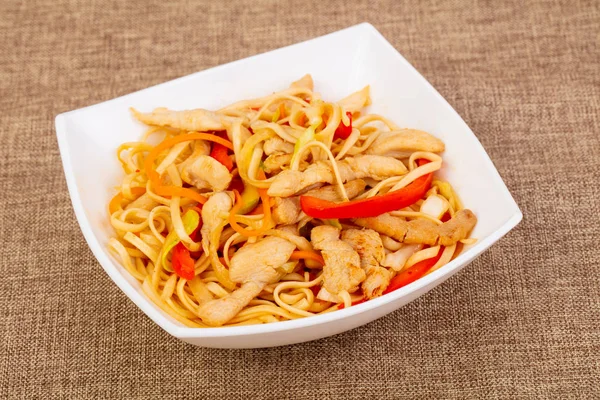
x=522, y=321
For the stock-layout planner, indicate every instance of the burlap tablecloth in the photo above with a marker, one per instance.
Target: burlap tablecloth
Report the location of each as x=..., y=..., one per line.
x=523, y=321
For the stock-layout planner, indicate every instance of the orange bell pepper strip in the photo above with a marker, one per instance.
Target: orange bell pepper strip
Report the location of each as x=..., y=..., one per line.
x=310, y=255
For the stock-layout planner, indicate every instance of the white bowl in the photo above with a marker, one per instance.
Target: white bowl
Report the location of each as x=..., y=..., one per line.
x=340, y=63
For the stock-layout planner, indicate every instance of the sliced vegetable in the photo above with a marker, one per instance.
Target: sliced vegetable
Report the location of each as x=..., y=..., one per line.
x=282, y=111
x=343, y=131
x=309, y=255
x=276, y=115
x=398, y=259
x=333, y=222
x=257, y=211
x=191, y=222
x=250, y=197
x=220, y=153
x=245, y=156
x=315, y=289
x=446, y=217
x=182, y=262
x=371, y=207
x=342, y=306
x=435, y=206
x=307, y=136
x=413, y=273
x=236, y=184
x=446, y=190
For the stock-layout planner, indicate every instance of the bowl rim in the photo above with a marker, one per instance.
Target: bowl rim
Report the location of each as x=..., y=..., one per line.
x=166, y=323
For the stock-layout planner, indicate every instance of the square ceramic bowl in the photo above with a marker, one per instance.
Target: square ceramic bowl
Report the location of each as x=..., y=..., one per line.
x=340, y=63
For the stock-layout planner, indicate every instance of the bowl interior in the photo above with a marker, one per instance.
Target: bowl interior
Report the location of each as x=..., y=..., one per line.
x=340, y=63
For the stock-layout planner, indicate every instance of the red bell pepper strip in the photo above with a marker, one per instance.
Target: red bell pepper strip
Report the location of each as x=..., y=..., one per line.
x=219, y=153
x=343, y=131
x=182, y=262
x=371, y=207
x=236, y=184
x=413, y=273
x=446, y=217
x=182, y=259
x=342, y=306
x=315, y=289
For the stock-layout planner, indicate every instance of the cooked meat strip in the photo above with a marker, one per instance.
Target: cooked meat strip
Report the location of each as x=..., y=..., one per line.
x=214, y=219
x=422, y=231
x=286, y=210
x=204, y=172
x=277, y=145
x=253, y=266
x=190, y=120
x=402, y=143
x=288, y=182
x=342, y=269
x=368, y=245
x=274, y=162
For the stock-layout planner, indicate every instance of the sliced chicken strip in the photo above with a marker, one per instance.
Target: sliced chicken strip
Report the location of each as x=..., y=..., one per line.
x=274, y=162
x=201, y=148
x=457, y=228
x=218, y=312
x=254, y=267
x=342, y=269
x=422, y=231
x=256, y=262
x=402, y=143
x=287, y=210
x=204, y=172
x=368, y=245
x=214, y=219
x=356, y=101
x=289, y=182
x=331, y=192
x=189, y=120
x=277, y=145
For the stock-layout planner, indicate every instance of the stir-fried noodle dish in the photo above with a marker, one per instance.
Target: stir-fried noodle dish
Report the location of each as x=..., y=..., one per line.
x=281, y=207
